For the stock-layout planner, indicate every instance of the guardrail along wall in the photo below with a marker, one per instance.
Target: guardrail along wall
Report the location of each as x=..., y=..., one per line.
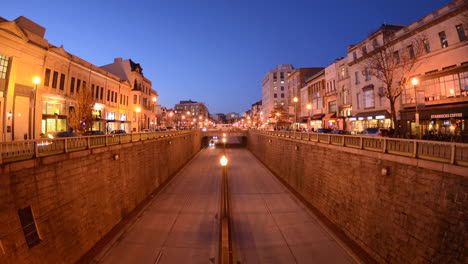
x=401, y=201
x=77, y=197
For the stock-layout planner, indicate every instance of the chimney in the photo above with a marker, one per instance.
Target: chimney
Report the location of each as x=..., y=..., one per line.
x=117, y=59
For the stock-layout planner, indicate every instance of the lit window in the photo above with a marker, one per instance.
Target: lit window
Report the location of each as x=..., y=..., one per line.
x=275, y=88
x=282, y=81
x=443, y=39
x=4, y=66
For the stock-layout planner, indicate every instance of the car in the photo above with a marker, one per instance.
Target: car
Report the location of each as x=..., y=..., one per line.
x=146, y=130
x=93, y=133
x=375, y=132
x=118, y=131
x=341, y=132
x=323, y=130
x=211, y=143
x=61, y=134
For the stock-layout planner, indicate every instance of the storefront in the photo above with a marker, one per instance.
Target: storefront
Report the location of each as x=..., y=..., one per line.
x=330, y=121
x=53, y=116
x=376, y=119
x=446, y=123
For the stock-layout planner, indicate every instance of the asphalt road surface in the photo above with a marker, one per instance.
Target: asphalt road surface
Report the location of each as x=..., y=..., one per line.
x=181, y=224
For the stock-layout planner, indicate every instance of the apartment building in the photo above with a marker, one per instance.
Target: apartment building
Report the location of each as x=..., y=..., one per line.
x=275, y=88
x=296, y=80
x=437, y=104
x=314, y=92
x=143, y=99
x=39, y=83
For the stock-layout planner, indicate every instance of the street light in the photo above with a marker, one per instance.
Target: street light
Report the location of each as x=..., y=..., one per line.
x=138, y=110
x=295, y=99
x=309, y=107
x=415, y=82
x=36, y=80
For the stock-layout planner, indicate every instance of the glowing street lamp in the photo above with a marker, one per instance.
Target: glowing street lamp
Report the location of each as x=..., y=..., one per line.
x=295, y=99
x=138, y=110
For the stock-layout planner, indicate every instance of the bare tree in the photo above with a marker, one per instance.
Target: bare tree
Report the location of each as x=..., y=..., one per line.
x=393, y=67
x=81, y=115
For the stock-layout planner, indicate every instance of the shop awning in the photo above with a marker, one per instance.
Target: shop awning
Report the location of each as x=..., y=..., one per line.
x=317, y=117
x=384, y=113
x=329, y=116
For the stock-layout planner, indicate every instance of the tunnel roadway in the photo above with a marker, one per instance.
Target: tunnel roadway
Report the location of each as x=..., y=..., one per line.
x=181, y=224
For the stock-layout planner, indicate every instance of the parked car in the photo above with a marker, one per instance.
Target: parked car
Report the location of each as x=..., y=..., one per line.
x=118, y=131
x=93, y=133
x=375, y=132
x=61, y=134
x=341, y=132
x=147, y=130
x=323, y=130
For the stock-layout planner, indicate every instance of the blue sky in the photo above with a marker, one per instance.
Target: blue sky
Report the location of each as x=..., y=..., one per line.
x=213, y=51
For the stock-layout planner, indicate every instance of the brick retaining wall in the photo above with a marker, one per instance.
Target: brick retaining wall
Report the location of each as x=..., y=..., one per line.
x=415, y=214
x=77, y=198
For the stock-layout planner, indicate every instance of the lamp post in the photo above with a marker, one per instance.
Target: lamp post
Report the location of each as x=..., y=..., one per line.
x=277, y=119
x=309, y=107
x=415, y=82
x=36, y=81
x=225, y=252
x=295, y=99
x=154, y=99
x=138, y=110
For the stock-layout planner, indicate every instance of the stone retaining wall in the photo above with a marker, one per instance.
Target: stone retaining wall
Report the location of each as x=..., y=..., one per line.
x=77, y=198
x=413, y=213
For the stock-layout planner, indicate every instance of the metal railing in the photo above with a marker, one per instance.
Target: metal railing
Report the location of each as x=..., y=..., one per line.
x=446, y=152
x=29, y=149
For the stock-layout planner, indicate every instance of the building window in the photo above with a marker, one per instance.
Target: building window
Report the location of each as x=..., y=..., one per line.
x=427, y=46
x=345, y=95
x=54, y=79
x=354, y=56
x=97, y=92
x=282, y=75
x=274, y=75
x=364, y=51
x=276, y=103
x=367, y=74
x=4, y=66
x=72, y=85
x=396, y=55
x=411, y=51
x=275, y=95
x=135, y=99
x=443, y=39
x=84, y=84
x=47, y=77
x=356, y=76
x=375, y=44
x=62, y=81
x=108, y=95
x=342, y=72
x=282, y=81
x=461, y=33
x=275, y=88
x=282, y=95
x=332, y=107
x=282, y=88
x=358, y=100
x=368, y=96
x=102, y=93
x=92, y=90
x=78, y=85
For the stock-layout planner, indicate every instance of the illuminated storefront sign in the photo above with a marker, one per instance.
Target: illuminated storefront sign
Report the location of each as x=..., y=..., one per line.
x=380, y=117
x=447, y=115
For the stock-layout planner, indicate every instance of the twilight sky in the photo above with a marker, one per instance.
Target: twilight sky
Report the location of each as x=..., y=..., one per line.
x=213, y=51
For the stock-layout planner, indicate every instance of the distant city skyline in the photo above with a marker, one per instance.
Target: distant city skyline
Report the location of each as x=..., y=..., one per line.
x=214, y=52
